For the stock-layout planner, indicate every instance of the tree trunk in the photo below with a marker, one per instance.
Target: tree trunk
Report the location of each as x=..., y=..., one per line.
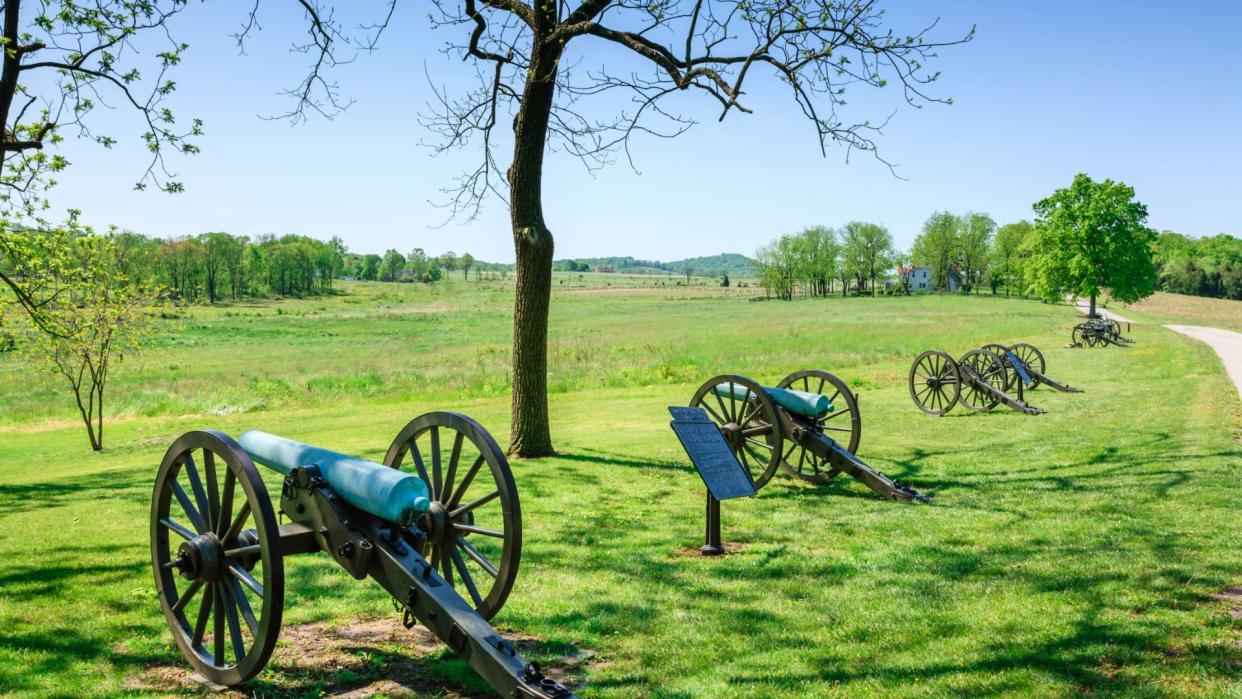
x=1091, y=313
x=530, y=434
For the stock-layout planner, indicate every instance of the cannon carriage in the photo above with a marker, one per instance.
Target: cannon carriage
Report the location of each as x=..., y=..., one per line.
x=438, y=525
x=981, y=379
x=1098, y=332
x=808, y=426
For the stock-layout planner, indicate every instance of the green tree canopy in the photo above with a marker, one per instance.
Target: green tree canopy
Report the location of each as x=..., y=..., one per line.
x=1007, y=259
x=1091, y=237
x=939, y=246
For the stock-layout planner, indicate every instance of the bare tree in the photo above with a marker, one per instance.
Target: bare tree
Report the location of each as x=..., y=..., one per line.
x=530, y=80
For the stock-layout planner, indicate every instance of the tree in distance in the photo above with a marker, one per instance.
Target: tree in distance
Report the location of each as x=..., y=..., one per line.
x=818, y=48
x=1090, y=237
x=939, y=246
x=1006, y=266
x=974, y=244
x=100, y=315
x=867, y=249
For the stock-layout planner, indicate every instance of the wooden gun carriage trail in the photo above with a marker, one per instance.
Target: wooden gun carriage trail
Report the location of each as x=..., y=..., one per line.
x=1099, y=332
x=218, y=552
x=808, y=426
x=981, y=379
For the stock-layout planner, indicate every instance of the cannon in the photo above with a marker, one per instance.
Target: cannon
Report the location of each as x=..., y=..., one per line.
x=444, y=540
x=1025, y=364
x=808, y=425
x=1098, y=332
x=979, y=381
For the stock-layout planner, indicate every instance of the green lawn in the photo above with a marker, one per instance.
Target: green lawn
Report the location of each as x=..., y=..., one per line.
x=1073, y=552
x=1180, y=309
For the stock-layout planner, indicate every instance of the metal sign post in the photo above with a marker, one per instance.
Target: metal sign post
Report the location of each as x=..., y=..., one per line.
x=717, y=466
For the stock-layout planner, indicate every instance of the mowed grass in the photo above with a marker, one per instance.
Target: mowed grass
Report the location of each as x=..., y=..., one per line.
x=1180, y=309
x=1073, y=552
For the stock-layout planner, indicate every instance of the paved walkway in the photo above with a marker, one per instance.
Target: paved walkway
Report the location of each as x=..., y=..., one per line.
x=1084, y=305
x=1227, y=343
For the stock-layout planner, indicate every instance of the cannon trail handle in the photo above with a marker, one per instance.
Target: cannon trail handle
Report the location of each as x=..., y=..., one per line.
x=828, y=449
x=980, y=384
x=366, y=545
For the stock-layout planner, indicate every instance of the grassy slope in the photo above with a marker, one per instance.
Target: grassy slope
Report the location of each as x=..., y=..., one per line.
x=1069, y=552
x=1185, y=310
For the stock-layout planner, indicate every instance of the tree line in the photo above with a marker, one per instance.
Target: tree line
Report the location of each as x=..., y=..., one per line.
x=1210, y=266
x=1085, y=238
x=217, y=266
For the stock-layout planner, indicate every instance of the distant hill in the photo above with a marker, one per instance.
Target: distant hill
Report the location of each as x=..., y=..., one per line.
x=733, y=264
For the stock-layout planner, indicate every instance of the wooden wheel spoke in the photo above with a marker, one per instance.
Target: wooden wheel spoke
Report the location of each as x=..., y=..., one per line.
x=446, y=565
x=243, y=551
x=417, y=456
x=477, y=503
x=230, y=610
x=719, y=420
x=478, y=557
x=466, y=578
x=226, y=503
x=188, y=595
x=243, y=605
x=238, y=522
x=200, y=496
x=246, y=578
x=218, y=633
x=452, y=467
x=478, y=530
x=466, y=481
x=213, y=490
x=169, y=523
x=204, y=613
x=191, y=512
x=761, y=428
x=436, y=483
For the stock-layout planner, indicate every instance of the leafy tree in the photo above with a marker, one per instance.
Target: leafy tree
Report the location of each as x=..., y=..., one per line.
x=466, y=262
x=974, y=244
x=867, y=249
x=418, y=264
x=938, y=246
x=724, y=281
x=901, y=261
x=449, y=261
x=392, y=264
x=1007, y=258
x=370, y=267
x=102, y=316
x=1090, y=237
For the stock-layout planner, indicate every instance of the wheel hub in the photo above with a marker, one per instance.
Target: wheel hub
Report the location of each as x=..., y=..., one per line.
x=733, y=435
x=201, y=558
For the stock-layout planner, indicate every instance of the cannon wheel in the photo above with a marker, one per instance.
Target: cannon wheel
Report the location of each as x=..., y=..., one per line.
x=1011, y=376
x=843, y=424
x=1078, y=336
x=935, y=383
x=474, y=525
x=1030, y=356
x=222, y=590
x=991, y=369
x=743, y=421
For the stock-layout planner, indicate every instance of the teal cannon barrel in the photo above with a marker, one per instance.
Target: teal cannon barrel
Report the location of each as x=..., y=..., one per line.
x=384, y=492
x=812, y=405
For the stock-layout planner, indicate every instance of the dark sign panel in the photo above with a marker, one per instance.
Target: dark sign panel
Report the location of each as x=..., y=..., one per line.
x=710, y=453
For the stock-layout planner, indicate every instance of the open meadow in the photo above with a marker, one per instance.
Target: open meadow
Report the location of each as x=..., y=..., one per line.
x=1162, y=307
x=1076, y=552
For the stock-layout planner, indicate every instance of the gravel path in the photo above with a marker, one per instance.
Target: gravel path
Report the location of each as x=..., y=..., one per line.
x=1084, y=305
x=1227, y=343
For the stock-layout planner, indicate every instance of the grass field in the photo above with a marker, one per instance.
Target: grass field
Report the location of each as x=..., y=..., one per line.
x=1185, y=310
x=1074, y=552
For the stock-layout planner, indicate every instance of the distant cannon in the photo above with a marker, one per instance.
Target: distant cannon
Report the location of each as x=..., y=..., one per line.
x=978, y=381
x=1097, y=332
x=808, y=425
x=445, y=541
x=1025, y=364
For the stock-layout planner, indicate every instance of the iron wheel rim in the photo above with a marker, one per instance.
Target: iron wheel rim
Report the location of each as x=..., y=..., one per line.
x=935, y=382
x=759, y=419
x=991, y=369
x=810, y=467
x=237, y=585
x=460, y=554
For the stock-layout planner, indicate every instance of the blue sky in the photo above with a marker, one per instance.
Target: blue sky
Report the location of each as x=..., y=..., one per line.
x=1148, y=94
